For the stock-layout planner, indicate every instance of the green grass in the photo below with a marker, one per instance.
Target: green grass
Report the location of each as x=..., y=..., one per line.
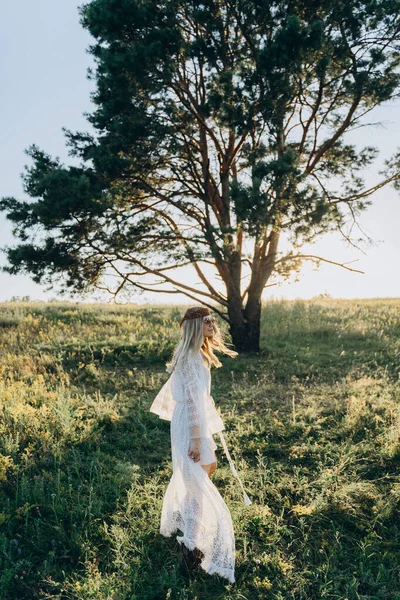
x=312, y=423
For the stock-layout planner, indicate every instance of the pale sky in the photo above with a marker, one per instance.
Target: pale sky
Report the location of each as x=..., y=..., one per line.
x=45, y=87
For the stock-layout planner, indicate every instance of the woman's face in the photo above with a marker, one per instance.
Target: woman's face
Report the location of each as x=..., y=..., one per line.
x=208, y=326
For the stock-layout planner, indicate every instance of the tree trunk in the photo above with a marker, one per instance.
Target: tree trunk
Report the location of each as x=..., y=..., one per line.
x=245, y=324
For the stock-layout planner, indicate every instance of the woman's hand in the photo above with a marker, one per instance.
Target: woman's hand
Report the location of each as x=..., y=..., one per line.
x=194, y=449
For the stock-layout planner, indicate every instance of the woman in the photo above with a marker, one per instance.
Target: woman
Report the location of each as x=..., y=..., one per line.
x=192, y=503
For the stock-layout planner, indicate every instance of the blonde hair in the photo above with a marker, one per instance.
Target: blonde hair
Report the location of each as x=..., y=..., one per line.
x=193, y=340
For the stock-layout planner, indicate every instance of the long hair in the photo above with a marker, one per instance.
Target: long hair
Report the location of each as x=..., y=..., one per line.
x=193, y=340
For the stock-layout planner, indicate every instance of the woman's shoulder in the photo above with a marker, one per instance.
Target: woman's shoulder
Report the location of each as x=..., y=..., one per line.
x=203, y=360
x=193, y=360
x=206, y=362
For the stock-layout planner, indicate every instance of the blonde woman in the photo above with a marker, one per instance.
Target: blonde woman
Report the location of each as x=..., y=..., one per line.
x=191, y=502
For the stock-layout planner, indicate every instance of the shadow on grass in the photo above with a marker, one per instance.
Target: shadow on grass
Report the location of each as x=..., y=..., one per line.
x=100, y=499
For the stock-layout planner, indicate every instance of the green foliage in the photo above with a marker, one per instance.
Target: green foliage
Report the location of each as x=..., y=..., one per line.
x=313, y=427
x=212, y=121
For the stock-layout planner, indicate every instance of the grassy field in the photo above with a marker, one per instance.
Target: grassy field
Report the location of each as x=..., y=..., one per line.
x=312, y=423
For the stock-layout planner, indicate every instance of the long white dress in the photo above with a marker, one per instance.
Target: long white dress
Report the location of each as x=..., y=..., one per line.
x=191, y=502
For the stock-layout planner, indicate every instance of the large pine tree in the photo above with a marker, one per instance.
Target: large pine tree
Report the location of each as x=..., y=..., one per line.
x=219, y=125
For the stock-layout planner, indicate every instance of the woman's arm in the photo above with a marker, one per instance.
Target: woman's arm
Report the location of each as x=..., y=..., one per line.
x=194, y=399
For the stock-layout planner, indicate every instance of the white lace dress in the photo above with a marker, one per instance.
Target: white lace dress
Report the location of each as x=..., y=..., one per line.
x=191, y=502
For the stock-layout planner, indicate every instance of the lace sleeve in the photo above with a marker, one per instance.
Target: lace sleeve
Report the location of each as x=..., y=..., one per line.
x=193, y=391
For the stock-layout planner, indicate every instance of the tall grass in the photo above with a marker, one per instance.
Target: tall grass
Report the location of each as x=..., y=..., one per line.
x=312, y=423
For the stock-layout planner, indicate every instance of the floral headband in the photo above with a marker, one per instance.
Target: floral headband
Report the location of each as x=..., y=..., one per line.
x=195, y=313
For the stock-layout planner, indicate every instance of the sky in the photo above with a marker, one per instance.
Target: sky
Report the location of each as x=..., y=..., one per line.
x=43, y=75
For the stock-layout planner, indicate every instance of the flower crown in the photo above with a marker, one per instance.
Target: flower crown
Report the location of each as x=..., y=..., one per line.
x=196, y=312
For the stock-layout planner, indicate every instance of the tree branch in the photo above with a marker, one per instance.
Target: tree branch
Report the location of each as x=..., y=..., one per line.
x=313, y=257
